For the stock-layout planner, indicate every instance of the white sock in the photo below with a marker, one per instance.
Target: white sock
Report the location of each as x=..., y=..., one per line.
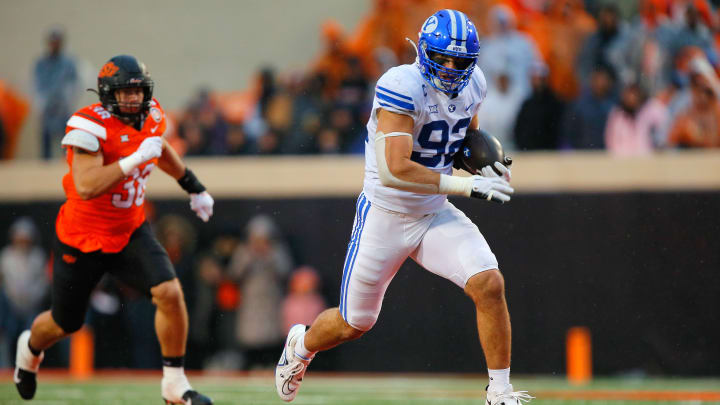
x=173, y=372
x=301, y=351
x=499, y=379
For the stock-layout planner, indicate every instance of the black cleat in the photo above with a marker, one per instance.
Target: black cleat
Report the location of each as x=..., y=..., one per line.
x=195, y=398
x=26, y=383
x=192, y=397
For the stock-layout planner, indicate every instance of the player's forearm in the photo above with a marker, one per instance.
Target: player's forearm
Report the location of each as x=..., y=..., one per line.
x=95, y=181
x=170, y=162
x=397, y=170
x=413, y=177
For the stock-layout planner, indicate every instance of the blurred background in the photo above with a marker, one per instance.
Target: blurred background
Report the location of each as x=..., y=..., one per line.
x=609, y=108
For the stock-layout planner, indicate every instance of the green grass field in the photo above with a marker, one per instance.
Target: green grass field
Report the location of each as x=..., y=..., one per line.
x=130, y=388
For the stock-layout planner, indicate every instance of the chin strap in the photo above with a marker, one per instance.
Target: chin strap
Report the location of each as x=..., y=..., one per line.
x=417, y=53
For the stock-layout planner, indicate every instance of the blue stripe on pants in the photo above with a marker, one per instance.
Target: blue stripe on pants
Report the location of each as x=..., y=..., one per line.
x=358, y=210
x=352, y=262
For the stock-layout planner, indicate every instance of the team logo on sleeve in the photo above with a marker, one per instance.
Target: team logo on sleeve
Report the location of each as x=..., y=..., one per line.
x=156, y=114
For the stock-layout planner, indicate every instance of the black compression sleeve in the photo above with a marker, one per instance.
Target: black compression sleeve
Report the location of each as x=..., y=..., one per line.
x=190, y=183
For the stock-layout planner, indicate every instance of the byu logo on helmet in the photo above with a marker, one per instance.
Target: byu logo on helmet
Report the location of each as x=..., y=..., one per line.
x=430, y=24
x=448, y=35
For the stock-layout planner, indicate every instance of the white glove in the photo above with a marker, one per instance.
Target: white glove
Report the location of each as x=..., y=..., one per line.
x=202, y=204
x=491, y=188
x=505, y=172
x=150, y=148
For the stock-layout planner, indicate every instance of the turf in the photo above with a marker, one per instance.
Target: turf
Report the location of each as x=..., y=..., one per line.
x=131, y=388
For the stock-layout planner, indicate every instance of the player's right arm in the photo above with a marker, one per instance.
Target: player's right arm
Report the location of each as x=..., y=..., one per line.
x=397, y=101
x=90, y=177
x=395, y=168
x=393, y=149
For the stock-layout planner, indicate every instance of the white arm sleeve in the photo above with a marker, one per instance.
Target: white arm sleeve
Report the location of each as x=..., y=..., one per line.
x=81, y=139
x=455, y=185
x=387, y=178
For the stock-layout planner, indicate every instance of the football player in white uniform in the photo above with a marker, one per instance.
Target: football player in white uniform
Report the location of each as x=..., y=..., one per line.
x=418, y=121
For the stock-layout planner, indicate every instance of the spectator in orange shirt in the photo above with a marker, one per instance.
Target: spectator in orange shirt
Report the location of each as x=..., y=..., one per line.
x=559, y=39
x=2, y=135
x=333, y=64
x=699, y=125
x=13, y=110
x=381, y=35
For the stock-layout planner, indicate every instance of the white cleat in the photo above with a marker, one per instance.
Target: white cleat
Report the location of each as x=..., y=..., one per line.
x=26, y=367
x=291, y=367
x=178, y=391
x=507, y=397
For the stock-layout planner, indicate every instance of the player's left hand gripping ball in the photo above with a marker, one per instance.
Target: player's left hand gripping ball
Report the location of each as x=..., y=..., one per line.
x=504, y=171
x=202, y=204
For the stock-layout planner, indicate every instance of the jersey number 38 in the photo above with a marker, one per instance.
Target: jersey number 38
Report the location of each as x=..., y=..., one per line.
x=135, y=193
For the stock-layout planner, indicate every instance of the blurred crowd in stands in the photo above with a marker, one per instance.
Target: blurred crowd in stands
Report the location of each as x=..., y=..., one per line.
x=627, y=76
x=243, y=291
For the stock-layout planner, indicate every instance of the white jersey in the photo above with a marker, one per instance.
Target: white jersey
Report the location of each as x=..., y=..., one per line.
x=440, y=125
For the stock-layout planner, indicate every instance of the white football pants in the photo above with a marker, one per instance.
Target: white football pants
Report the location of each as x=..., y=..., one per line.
x=446, y=243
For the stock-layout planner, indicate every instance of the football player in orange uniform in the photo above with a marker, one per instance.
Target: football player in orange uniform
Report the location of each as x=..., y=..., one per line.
x=112, y=146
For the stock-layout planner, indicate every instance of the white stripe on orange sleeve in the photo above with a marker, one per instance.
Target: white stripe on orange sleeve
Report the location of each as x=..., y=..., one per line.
x=85, y=124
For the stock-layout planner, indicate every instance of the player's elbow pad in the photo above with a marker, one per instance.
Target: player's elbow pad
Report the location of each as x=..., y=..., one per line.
x=387, y=178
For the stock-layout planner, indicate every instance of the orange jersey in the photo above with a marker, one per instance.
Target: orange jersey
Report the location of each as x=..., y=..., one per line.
x=106, y=222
